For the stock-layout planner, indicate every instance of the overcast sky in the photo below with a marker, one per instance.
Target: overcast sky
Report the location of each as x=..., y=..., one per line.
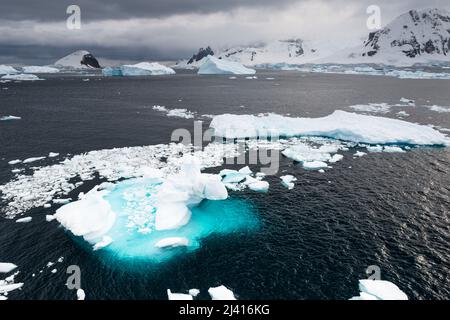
x=35, y=32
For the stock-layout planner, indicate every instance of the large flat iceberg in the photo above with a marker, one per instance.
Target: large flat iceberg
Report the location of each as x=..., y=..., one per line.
x=213, y=65
x=7, y=69
x=39, y=69
x=339, y=125
x=139, y=69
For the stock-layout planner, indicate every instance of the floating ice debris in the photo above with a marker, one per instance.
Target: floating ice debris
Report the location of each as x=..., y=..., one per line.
x=106, y=241
x=54, y=270
x=213, y=65
x=359, y=154
x=375, y=148
x=221, y=293
x=178, y=296
x=288, y=181
x=314, y=165
x=172, y=242
x=29, y=160
x=7, y=118
x=379, y=290
x=53, y=154
x=372, y=107
x=339, y=125
x=21, y=77
x=180, y=113
x=7, y=69
x=410, y=102
x=39, y=69
x=194, y=292
x=61, y=201
x=439, y=109
x=81, y=295
x=335, y=158
x=256, y=185
x=392, y=149
x=139, y=69
x=13, y=162
x=403, y=114
x=6, y=267
x=251, y=78
x=232, y=78
x=24, y=220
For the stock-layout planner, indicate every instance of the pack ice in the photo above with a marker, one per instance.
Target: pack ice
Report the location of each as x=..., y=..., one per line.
x=339, y=125
x=213, y=65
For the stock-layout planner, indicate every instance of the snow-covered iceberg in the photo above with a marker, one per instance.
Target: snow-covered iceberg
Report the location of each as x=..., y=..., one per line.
x=221, y=293
x=7, y=69
x=379, y=290
x=212, y=65
x=39, y=69
x=339, y=125
x=80, y=59
x=139, y=69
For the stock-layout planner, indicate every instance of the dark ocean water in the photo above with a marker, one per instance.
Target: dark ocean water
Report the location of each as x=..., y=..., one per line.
x=313, y=242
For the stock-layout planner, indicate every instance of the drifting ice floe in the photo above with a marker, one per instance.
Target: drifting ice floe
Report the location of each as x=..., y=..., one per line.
x=7, y=285
x=178, y=296
x=139, y=69
x=6, y=267
x=7, y=69
x=439, y=109
x=372, y=107
x=288, y=181
x=213, y=65
x=80, y=294
x=339, y=125
x=180, y=113
x=6, y=118
x=21, y=77
x=379, y=290
x=238, y=180
x=39, y=69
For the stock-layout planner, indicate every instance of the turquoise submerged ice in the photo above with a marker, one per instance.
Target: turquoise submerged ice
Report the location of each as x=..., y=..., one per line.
x=134, y=235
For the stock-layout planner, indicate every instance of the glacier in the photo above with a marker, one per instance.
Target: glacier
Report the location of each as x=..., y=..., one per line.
x=339, y=125
x=213, y=65
x=139, y=69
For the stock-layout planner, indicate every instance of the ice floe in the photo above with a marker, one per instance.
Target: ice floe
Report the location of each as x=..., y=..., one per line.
x=221, y=293
x=439, y=109
x=339, y=125
x=288, y=181
x=372, y=107
x=379, y=290
x=178, y=296
x=6, y=267
x=24, y=220
x=39, y=69
x=178, y=112
x=172, y=242
x=21, y=77
x=213, y=65
x=7, y=118
x=139, y=69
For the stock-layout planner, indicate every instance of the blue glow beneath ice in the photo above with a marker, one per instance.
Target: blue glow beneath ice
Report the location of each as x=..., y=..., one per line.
x=132, y=200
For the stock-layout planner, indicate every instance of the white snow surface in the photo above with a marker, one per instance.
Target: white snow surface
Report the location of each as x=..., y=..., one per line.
x=339, y=125
x=73, y=60
x=6, y=267
x=213, y=65
x=7, y=69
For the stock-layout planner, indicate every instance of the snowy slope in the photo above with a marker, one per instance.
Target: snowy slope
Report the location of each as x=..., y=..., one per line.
x=213, y=65
x=75, y=59
x=418, y=36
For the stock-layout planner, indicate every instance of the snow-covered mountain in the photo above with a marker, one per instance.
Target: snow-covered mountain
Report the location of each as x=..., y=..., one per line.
x=80, y=59
x=418, y=36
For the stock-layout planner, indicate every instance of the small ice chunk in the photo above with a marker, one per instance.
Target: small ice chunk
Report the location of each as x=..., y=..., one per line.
x=336, y=157
x=359, y=154
x=80, y=294
x=393, y=149
x=10, y=287
x=12, y=162
x=221, y=293
x=24, y=220
x=54, y=271
x=256, y=185
x=6, y=267
x=178, y=296
x=53, y=154
x=29, y=160
x=49, y=217
x=288, y=181
x=194, y=292
x=172, y=242
x=374, y=148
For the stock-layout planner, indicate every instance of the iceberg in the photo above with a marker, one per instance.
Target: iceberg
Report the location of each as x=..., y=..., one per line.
x=212, y=65
x=39, y=69
x=139, y=69
x=288, y=181
x=80, y=59
x=379, y=290
x=21, y=77
x=7, y=69
x=221, y=293
x=339, y=125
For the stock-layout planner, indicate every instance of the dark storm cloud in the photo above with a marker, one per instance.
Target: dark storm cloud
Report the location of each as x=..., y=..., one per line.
x=54, y=10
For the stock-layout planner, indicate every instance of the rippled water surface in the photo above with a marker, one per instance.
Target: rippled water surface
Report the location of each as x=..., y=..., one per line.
x=312, y=242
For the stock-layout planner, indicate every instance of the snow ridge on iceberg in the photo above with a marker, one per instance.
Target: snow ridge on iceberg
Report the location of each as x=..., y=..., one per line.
x=339, y=125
